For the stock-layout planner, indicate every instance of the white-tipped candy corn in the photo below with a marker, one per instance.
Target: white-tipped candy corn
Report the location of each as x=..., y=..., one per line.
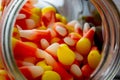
x=61, y=30
x=35, y=35
x=72, y=23
x=44, y=43
x=34, y=1
x=75, y=70
x=90, y=34
x=52, y=32
x=48, y=58
x=21, y=16
x=69, y=41
x=30, y=23
x=83, y=46
x=78, y=28
x=31, y=72
x=27, y=33
x=52, y=49
x=86, y=27
x=23, y=63
x=79, y=57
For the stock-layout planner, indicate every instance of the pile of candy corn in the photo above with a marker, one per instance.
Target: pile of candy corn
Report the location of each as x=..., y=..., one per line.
x=48, y=47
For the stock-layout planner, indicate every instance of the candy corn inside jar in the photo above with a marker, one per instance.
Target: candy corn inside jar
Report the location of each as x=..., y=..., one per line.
x=59, y=40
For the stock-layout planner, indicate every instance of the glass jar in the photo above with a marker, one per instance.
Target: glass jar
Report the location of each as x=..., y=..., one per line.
x=109, y=14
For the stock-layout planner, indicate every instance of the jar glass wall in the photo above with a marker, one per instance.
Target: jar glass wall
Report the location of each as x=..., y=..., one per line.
x=111, y=39
x=10, y=10
x=110, y=62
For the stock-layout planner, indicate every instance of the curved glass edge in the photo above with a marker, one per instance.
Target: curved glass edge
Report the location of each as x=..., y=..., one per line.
x=7, y=23
x=117, y=3
x=109, y=65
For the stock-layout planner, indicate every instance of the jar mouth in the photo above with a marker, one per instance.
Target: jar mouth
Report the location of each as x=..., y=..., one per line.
x=110, y=48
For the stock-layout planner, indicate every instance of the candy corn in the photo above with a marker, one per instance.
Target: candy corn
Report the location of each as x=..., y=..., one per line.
x=22, y=50
x=16, y=33
x=71, y=24
x=75, y=69
x=31, y=72
x=75, y=36
x=44, y=65
x=47, y=47
x=48, y=15
x=44, y=43
x=61, y=18
x=63, y=73
x=21, y=16
x=90, y=34
x=29, y=19
x=79, y=57
x=69, y=41
x=86, y=70
x=78, y=28
x=52, y=49
x=83, y=46
x=94, y=58
x=56, y=66
x=23, y=63
x=86, y=28
x=35, y=35
x=63, y=53
x=36, y=11
x=60, y=29
x=51, y=75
